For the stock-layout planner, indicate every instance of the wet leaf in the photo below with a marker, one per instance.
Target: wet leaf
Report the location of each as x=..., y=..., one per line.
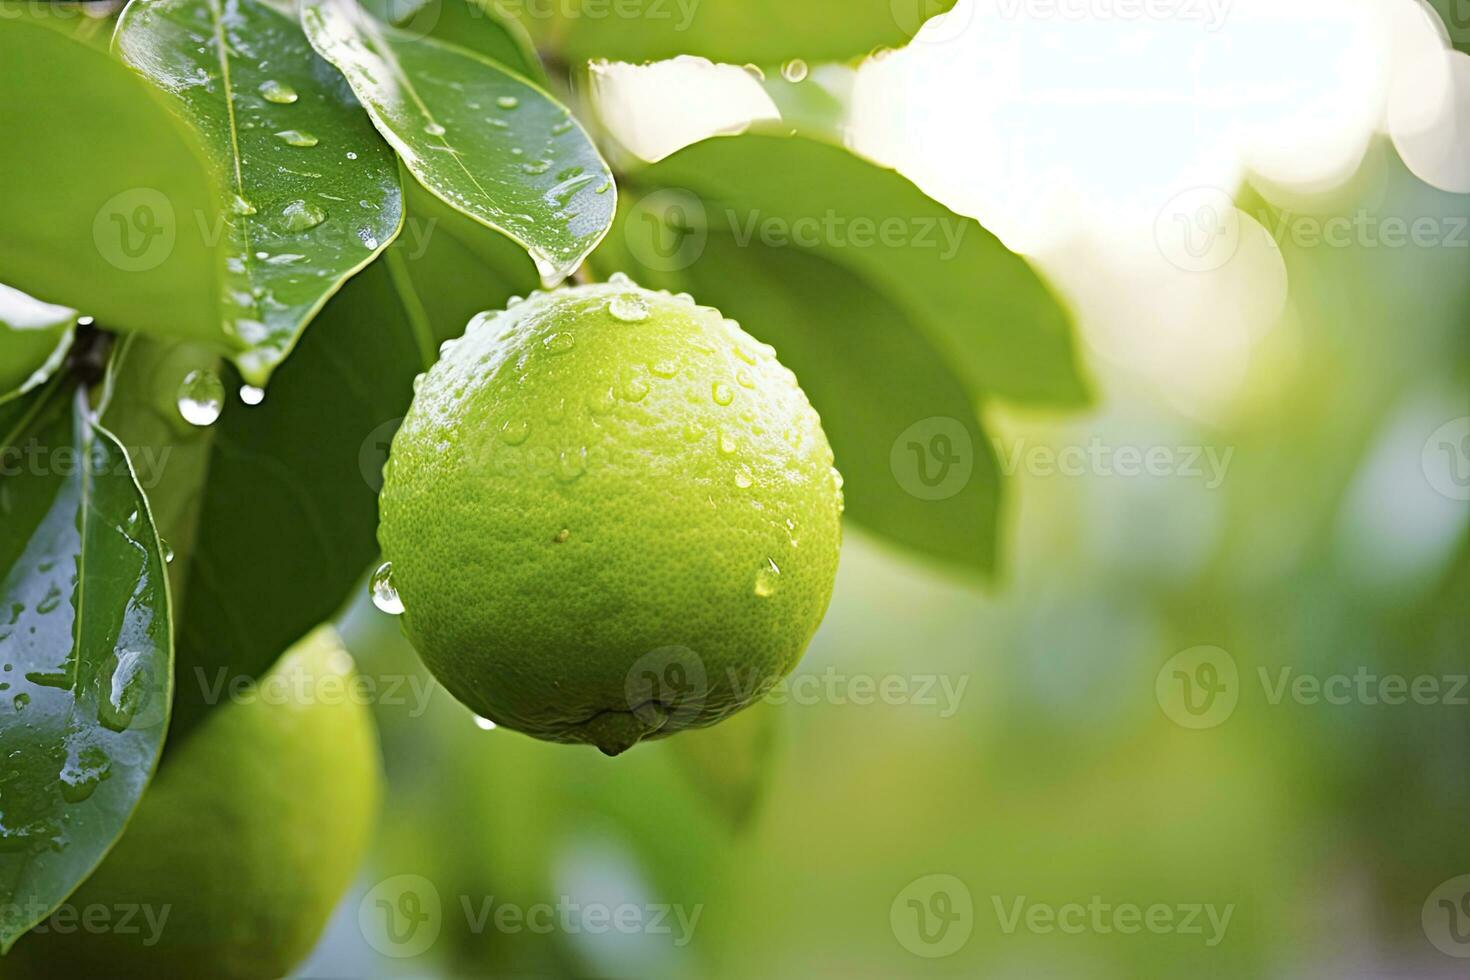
x=313, y=191
x=481, y=138
x=34, y=339
x=110, y=230
x=982, y=306
x=85, y=652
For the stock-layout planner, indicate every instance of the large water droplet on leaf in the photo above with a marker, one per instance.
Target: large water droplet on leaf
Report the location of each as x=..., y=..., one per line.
x=296, y=137
x=277, y=92
x=201, y=397
x=300, y=216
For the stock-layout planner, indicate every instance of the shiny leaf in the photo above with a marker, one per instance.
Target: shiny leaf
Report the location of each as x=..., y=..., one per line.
x=314, y=191
x=766, y=32
x=34, y=339
x=101, y=225
x=482, y=139
x=982, y=307
x=85, y=652
x=476, y=25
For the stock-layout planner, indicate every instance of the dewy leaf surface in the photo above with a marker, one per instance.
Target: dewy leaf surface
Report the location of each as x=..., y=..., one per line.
x=313, y=191
x=86, y=647
x=481, y=138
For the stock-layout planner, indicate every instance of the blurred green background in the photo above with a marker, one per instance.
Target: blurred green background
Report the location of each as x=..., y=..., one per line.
x=1022, y=747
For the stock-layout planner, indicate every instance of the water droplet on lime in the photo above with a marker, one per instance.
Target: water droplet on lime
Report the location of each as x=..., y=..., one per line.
x=385, y=596
x=768, y=579
x=515, y=431
x=628, y=307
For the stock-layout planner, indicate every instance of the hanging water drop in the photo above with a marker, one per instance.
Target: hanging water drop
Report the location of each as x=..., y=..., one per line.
x=251, y=395
x=201, y=398
x=484, y=724
x=385, y=596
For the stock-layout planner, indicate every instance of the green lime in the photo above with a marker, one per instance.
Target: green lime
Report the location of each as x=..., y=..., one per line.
x=243, y=844
x=610, y=515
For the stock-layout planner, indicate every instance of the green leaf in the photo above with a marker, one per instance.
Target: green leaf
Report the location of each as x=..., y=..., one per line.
x=983, y=307
x=87, y=648
x=34, y=340
x=105, y=193
x=881, y=388
x=730, y=764
x=484, y=140
x=766, y=32
x=314, y=190
x=84, y=21
x=476, y=25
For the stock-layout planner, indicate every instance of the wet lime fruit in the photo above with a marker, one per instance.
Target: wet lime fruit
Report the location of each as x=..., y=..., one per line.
x=610, y=514
x=242, y=845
